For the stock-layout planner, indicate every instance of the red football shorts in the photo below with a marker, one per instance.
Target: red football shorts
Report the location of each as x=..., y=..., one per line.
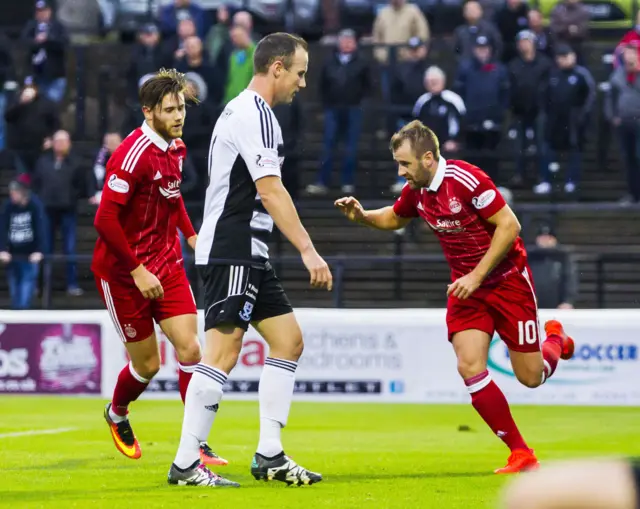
x=133, y=315
x=510, y=309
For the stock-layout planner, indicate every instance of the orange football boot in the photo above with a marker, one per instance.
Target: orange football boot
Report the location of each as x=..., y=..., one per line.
x=123, y=436
x=208, y=457
x=520, y=460
x=568, y=345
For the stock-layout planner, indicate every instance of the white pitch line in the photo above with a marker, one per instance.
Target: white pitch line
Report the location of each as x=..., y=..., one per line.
x=32, y=432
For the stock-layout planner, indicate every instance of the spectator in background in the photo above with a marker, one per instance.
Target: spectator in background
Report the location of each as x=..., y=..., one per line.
x=569, y=23
x=31, y=122
x=528, y=73
x=510, y=19
x=60, y=181
x=407, y=80
x=194, y=61
x=567, y=100
x=632, y=37
x=440, y=109
x=290, y=119
x=147, y=57
x=544, y=42
x=345, y=81
x=483, y=85
x=240, y=63
x=48, y=42
x=6, y=74
x=171, y=15
x=622, y=108
x=22, y=240
x=465, y=36
x=553, y=270
x=395, y=24
x=110, y=143
x=217, y=42
x=173, y=47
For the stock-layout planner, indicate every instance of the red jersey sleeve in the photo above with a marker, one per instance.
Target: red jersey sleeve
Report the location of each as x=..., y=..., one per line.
x=405, y=205
x=480, y=191
x=124, y=171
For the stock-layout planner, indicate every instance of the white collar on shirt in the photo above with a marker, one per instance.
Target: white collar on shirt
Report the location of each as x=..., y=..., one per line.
x=439, y=176
x=155, y=137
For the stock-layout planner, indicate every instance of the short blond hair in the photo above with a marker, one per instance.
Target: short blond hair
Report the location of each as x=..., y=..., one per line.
x=421, y=138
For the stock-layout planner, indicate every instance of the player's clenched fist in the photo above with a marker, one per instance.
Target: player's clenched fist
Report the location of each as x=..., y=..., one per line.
x=147, y=283
x=351, y=208
x=318, y=269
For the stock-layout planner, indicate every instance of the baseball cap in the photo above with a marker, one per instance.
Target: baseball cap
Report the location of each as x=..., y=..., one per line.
x=415, y=42
x=562, y=50
x=149, y=28
x=21, y=182
x=29, y=81
x=482, y=40
x=526, y=34
x=546, y=229
x=347, y=32
x=42, y=4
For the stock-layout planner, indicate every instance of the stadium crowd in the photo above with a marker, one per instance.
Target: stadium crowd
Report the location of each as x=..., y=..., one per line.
x=515, y=81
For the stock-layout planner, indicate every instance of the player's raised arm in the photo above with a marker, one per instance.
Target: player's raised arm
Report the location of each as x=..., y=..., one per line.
x=385, y=218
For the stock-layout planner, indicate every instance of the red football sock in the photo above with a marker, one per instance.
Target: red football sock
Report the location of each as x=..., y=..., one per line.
x=551, y=350
x=128, y=388
x=184, y=377
x=490, y=403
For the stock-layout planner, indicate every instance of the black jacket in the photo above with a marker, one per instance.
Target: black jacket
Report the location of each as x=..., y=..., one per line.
x=30, y=123
x=555, y=275
x=345, y=84
x=484, y=88
x=407, y=83
x=61, y=186
x=21, y=228
x=567, y=100
x=442, y=112
x=509, y=23
x=6, y=61
x=144, y=60
x=527, y=79
x=47, y=59
x=289, y=117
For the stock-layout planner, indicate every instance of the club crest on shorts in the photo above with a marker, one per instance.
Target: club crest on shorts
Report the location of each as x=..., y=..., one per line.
x=130, y=331
x=245, y=314
x=454, y=205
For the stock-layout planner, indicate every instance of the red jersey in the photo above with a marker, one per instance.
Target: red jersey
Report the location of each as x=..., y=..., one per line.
x=143, y=181
x=456, y=207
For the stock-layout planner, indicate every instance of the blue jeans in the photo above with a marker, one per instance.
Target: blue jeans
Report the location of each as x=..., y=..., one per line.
x=22, y=276
x=3, y=106
x=66, y=221
x=574, y=164
x=55, y=89
x=348, y=122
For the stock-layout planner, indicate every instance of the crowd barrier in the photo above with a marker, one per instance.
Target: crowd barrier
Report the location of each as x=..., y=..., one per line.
x=350, y=355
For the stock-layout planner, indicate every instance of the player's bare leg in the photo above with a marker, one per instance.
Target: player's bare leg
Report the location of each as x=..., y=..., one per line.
x=284, y=337
x=581, y=484
x=472, y=351
x=532, y=369
x=132, y=381
x=182, y=332
x=223, y=345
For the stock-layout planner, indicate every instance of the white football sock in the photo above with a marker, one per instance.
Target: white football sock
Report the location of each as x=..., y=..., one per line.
x=275, y=394
x=200, y=409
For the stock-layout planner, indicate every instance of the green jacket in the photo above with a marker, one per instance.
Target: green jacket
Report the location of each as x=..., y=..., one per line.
x=240, y=72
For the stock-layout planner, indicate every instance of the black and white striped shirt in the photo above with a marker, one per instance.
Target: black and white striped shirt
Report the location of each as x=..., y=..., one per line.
x=245, y=146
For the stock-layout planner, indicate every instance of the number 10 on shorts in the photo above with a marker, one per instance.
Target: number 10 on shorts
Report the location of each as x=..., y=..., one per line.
x=527, y=332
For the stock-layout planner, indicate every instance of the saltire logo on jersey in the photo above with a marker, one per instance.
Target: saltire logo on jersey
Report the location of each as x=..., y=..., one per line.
x=173, y=190
x=446, y=226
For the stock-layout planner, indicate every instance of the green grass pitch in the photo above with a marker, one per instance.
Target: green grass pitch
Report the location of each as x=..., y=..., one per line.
x=372, y=456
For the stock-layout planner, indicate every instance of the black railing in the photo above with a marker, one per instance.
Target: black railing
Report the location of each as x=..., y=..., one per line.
x=341, y=264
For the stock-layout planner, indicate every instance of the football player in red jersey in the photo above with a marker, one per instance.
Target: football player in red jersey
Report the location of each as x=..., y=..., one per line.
x=137, y=261
x=492, y=290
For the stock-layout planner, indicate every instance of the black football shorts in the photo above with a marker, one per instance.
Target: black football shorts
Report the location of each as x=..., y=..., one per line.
x=240, y=294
